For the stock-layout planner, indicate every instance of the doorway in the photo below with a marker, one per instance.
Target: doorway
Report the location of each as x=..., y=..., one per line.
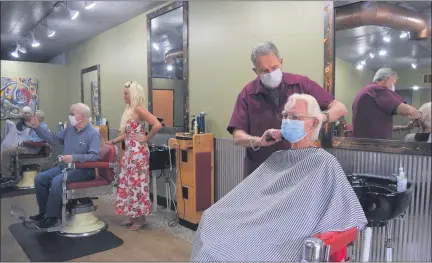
x=163, y=105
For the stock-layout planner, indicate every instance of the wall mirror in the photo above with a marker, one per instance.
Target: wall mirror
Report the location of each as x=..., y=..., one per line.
x=90, y=89
x=167, y=64
x=362, y=37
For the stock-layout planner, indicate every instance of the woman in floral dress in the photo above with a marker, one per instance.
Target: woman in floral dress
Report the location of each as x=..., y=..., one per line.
x=133, y=191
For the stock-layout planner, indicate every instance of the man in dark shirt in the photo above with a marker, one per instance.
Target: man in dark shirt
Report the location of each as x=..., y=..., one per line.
x=376, y=104
x=258, y=109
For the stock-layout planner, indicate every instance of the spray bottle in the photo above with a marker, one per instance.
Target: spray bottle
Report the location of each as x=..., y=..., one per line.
x=401, y=180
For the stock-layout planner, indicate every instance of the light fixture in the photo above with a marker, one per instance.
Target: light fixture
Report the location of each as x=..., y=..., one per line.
x=363, y=62
x=22, y=48
x=372, y=55
x=386, y=39
x=169, y=67
x=50, y=32
x=403, y=34
x=15, y=53
x=155, y=46
x=360, y=66
x=72, y=13
x=382, y=52
x=89, y=6
x=414, y=65
x=35, y=43
x=415, y=87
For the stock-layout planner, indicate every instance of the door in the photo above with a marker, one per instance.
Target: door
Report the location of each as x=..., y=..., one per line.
x=163, y=105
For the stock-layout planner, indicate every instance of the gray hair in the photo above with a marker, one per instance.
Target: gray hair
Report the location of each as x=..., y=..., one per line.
x=313, y=110
x=27, y=109
x=384, y=73
x=82, y=108
x=264, y=49
x=425, y=121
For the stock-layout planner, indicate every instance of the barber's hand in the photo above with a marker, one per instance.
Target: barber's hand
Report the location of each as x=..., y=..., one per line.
x=110, y=142
x=270, y=137
x=33, y=123
x=139, y=138
x=66, y=158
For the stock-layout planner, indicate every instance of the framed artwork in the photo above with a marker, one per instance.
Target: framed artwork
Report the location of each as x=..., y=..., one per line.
x=95, y=99
x=16, y=93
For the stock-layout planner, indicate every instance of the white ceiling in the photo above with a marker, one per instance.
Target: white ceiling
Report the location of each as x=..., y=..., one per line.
x=18, y=17
x=354, y=44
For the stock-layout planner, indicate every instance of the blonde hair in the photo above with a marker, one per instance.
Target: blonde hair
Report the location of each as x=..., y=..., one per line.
x=313, y=110
x=425, y=121
x=136, y=94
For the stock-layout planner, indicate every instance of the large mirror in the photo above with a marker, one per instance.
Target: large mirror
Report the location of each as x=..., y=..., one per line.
x=367, y=37
x=167, y=65
x=90, y=89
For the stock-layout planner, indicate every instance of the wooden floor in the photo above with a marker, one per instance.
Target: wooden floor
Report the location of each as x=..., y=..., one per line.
x=148, y=244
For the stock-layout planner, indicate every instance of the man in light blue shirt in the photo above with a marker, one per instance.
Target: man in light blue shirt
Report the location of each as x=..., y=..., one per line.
x=81, y=144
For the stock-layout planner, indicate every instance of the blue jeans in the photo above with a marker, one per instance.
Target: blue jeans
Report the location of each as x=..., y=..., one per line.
x=49, y=188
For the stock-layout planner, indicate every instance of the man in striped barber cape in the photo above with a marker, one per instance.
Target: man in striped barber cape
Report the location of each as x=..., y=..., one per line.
x=292, y=196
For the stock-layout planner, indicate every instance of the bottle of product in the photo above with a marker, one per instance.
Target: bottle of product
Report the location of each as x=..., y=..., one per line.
x=401, y=180
x=196, y=128
x=60, y=127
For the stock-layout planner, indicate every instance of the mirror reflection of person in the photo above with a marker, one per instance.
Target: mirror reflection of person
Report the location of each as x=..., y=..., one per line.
x=424, y=124
x=256, y=113
x=375, y=105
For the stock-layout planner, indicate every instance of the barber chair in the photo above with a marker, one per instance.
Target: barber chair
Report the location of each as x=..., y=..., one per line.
x=28, y=165
x=77, y=218
x=329, y=246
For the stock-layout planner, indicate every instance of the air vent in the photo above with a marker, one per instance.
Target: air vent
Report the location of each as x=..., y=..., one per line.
x=427, y=79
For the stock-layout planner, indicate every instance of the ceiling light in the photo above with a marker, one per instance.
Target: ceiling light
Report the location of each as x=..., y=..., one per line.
x=155, y=46
x=22, y=48
x=403, y=34
x=50, y=32
x=372, y=55
x=15, y=53
x=415, y=87
x=363, y=62
x=35, y=43
x=73, y=14
x=414, y=65
x=387, y=39
x=360, y=66
x=169, y=67
x=382, y=52
x=89, y=6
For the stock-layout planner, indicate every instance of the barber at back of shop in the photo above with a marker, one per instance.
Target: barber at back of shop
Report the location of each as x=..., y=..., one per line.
x=258, y=110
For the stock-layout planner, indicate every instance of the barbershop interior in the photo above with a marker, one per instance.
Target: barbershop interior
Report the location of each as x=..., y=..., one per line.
x=295, y=131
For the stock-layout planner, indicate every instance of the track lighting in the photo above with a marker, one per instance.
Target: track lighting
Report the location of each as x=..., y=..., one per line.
x=382, y=52
x=15, y=53
x=72, y=13
x=360, y=66
x=414, y=65
x=155, y=46
x=50, y=32
x=371, y=55
x=21, y=48
x=35, y=43
x=89, y=6
x=363, y=62
x=403, y=34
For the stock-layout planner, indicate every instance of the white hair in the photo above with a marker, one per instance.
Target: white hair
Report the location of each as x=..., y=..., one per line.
x=82, y=108
x=27, y=109
x=313, y=110
x=425, y=109
x=264, y=49
x=384, y=73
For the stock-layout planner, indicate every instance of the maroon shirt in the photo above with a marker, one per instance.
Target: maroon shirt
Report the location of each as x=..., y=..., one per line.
x=373, y=109
x=255, y=112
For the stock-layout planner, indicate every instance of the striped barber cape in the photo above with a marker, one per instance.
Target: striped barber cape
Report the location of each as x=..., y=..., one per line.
x=292, y=196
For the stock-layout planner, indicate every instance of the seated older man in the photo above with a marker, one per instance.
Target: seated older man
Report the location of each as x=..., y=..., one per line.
x=293, y=195
x=424, y=133
x=81, y=144
x=15, y=134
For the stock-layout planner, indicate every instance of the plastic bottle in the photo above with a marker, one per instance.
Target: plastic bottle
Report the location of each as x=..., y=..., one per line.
x=196, y=128
x=401, y=180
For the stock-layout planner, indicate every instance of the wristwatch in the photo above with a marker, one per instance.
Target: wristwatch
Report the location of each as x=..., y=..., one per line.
x=326, y=113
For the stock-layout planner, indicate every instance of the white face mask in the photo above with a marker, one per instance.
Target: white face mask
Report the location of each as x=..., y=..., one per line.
x=72, y=120
x=272, y=79
x=393, y=87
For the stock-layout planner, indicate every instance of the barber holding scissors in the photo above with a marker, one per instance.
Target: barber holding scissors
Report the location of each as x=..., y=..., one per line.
x=258, y=109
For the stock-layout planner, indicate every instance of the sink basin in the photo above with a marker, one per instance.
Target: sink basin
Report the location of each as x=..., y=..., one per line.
x=379, y=198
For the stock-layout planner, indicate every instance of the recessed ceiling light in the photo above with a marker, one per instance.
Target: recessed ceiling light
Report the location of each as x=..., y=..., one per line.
x=15, y=53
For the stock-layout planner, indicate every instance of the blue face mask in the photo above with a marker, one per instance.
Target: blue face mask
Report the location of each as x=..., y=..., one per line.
x=293, y=130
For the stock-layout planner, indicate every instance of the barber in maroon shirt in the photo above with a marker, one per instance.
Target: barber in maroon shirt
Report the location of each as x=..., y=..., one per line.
x=374, y=106
x=258, y=109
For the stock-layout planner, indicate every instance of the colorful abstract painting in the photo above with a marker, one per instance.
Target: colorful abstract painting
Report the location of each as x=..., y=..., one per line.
x=17, y=93
x=95, y=99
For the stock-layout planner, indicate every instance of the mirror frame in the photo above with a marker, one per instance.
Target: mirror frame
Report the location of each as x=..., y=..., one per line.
x=87, y=70
x=150, y=16
x=349, y=143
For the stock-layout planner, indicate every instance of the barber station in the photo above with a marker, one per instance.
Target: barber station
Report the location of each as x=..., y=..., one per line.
x=137, y=139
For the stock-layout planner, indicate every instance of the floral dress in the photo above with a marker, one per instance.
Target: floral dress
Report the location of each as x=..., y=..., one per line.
x=133, y=193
